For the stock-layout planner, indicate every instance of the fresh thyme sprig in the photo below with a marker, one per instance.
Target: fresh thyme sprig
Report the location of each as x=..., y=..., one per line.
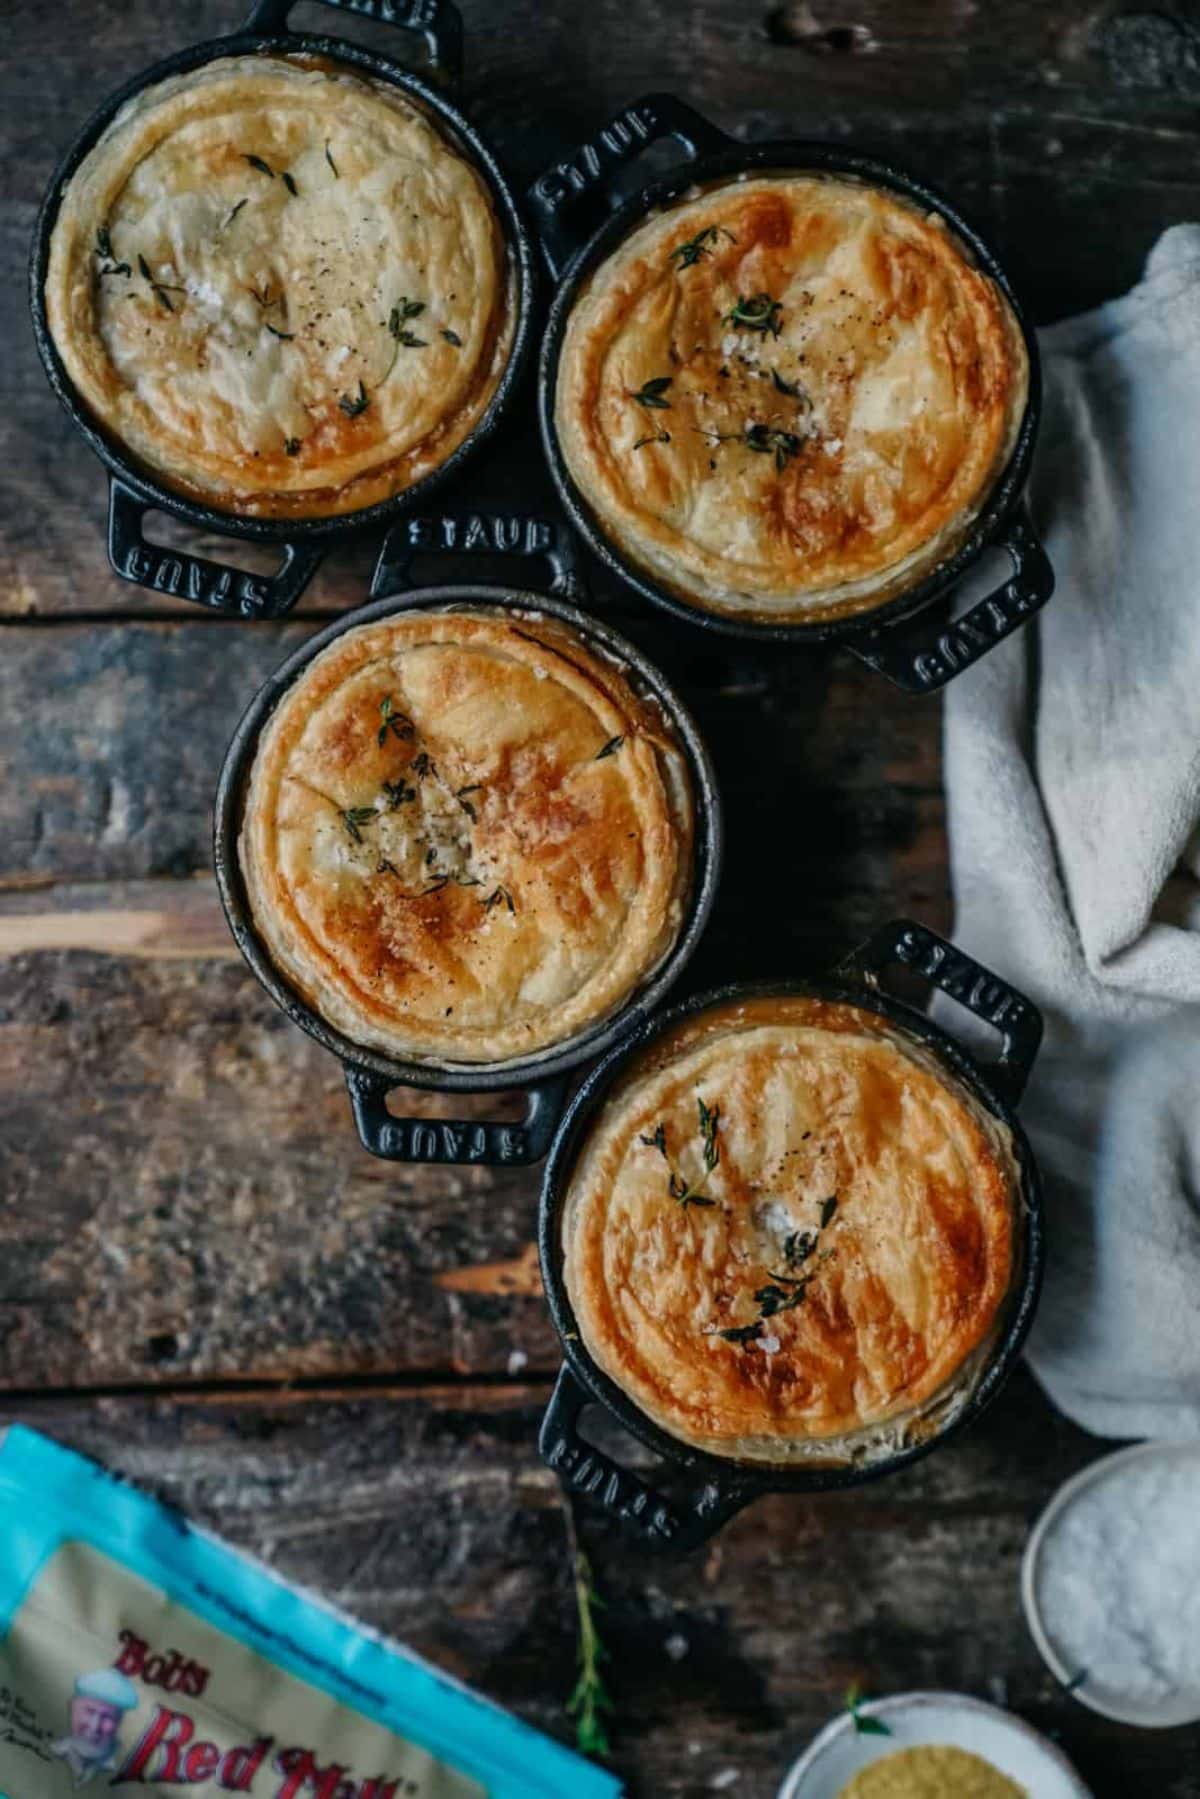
x=683, y=1191
x=589, y=1699
x=755, y=312
x=701, y=245
x=499, y=896
x=330, y=161
x=764, y=440
x=404, y=310
x=162, y=289
x=105, y=251
x=397, y=793
x=784, y=1292
x=460, y=794
x=355, y=817
x=609, y=749
x=354, y=404
x=768, y=441
x=864, y=1726
x=398, y=723
x=652, y=393
x=260, y=163
x=792, y=388
x=451, y=337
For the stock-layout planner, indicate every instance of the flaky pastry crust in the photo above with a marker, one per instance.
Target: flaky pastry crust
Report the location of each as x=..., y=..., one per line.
x=280, y=286
x=789, y=396
x=466, y=839
x=788, y=1226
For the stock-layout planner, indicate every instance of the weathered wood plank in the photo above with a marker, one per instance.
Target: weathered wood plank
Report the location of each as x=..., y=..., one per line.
x=185, y=1197
x=427, y=1514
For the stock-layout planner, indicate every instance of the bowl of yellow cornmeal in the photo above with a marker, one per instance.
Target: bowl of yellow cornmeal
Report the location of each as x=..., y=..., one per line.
x=931, y=1746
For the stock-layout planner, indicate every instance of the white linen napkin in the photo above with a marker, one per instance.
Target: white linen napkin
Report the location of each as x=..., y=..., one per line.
x=1073, y=783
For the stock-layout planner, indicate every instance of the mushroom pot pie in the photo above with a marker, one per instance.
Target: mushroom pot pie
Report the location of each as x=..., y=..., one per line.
x=790, y=1234
x=788, y=397
x=280, y=287
x=465, y=838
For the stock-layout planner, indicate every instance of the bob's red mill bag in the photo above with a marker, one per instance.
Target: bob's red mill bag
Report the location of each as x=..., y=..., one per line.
x=140, y=1654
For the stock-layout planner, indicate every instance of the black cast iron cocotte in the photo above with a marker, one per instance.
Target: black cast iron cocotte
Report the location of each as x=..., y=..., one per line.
x=581, y=223
x=134, y=490
x=715, y=1487
x=543, y=1079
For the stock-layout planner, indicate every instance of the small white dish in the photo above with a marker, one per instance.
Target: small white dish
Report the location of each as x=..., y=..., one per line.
x=1184, y=1708
x=916, y=1719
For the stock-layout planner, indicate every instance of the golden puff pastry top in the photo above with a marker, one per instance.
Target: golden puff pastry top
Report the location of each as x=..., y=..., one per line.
x=788, y=397
x=787, y=1227
x=465, y=838
x=280, y=286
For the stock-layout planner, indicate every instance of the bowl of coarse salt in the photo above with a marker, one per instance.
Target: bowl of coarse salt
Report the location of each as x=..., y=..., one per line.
x=1111, y=1585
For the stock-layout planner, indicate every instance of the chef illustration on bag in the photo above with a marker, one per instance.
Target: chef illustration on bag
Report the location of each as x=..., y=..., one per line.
x=95, y=1713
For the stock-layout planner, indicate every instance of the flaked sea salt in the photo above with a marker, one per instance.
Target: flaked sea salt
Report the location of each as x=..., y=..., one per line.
x=1117, y=1581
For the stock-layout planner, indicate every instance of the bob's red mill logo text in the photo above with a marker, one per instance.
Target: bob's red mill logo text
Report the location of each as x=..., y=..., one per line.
x=171, y=1752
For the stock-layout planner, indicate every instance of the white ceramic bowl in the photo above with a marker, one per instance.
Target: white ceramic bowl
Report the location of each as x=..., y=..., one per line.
x=915, y=1719
x=1182, y=1709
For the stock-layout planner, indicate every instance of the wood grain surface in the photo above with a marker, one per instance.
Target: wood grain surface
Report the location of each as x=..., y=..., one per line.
x=341, y=1365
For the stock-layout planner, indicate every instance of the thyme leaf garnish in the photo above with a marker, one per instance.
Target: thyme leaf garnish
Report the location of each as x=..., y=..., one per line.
x=384, y=867
x=768, y=441
x=422, y=764
x=679, y=1188
x=291, y=446
x=452, y=337
x=864, y=1726
x=259, y=163
x=755, y=312
x=610, y=749
x=406, y=309
x=784, y=1292
x=354, y=404
x=398, y=723
x=701, y=245
x=657, y=437
x=330, y=161
x=710, y=1119
x=499, y=896
x=355, y=817
x=162, y=290
x=289, y=181
x=233, y=215
x=397, y=793
x=104, y=250
x=797, y=1248
x=464, y=802
x=286, y=337
x=792, y=388
x=651, y=393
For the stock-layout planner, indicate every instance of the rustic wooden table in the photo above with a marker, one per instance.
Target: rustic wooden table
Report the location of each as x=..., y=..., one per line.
x=204, y=1282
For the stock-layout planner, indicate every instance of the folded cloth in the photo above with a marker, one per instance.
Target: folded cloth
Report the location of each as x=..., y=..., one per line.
x=1073, y=782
